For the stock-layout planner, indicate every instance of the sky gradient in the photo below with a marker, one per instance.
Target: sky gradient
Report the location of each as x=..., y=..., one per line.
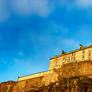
x=33, y=31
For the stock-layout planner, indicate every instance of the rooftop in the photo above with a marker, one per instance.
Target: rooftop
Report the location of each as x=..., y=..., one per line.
x=66, y=53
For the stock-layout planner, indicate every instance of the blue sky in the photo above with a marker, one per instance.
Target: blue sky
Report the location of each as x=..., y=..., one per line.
x=33, y=31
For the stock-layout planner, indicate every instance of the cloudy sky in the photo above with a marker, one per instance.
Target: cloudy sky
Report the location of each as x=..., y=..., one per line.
x=33, y=31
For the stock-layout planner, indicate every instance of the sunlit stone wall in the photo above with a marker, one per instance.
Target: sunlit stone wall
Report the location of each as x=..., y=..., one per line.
x=35, y=75
x=82, y=54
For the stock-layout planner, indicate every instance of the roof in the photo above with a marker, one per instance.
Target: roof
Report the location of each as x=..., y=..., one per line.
x=71, y=52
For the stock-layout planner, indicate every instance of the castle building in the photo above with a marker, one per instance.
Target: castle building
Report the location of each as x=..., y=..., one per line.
x=81, y=54
x=78, y=55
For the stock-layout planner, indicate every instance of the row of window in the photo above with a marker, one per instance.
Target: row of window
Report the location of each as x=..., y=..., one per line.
x=73, y=57
x=83, y=54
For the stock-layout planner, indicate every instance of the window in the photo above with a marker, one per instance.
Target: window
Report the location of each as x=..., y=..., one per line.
x=83, y=52
x=89, y=53
x=63, y=60
x=68, y=58
x=73, y=56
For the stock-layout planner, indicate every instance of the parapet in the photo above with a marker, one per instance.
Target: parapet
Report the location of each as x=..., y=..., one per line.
x=35, y=75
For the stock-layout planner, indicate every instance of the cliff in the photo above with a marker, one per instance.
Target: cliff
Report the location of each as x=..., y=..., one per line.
x=77, y=84
x=74, y=84
x=7, y=86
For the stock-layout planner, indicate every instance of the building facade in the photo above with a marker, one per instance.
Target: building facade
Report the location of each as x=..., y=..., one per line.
x=81, y=54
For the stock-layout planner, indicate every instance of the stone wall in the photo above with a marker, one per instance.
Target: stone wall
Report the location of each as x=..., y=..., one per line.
x=71, y=77
x=76, y=69
x=77, y=84
x=74, y=84
x=35, y=83
x=35, y=75
x=69, y=70
x=7, y=86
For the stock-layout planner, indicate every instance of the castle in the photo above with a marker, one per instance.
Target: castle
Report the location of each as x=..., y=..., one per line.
x=68, y=72
x=79, y=55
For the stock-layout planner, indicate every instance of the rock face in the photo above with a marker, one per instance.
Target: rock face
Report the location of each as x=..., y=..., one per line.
x=72, y=77
x=77, y=84
x=7, y=86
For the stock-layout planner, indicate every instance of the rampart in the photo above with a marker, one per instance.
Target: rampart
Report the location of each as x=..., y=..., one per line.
x=69, y=70
x=79, y=55
x=35, y=75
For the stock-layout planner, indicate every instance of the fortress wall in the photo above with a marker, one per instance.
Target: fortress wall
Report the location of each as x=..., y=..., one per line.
x=7, y=86
x=76, y=69
x=35, y=75
x=86, y=54
x=78, y=56
x=68, y=58
x=35, y=83
x=52, y=62
x=60, y=60
x=68, y=70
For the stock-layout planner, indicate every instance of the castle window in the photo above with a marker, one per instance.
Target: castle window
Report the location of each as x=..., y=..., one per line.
x=73, y=55
x=63, y=60
x=89, y=52
x=83, y=54
x=68, y=59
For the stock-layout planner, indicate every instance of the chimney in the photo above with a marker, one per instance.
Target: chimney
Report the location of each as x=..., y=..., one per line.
x=81, y=46
x=63, y=52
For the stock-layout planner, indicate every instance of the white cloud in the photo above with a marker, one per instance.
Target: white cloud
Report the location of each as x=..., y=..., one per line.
x=4, y=13
x=75, y=4
x=42, y=8
x=21, y=8
x=84, y=3
x=30, y=7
